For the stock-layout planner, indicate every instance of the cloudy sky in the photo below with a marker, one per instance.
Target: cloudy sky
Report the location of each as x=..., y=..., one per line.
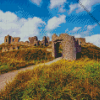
x=27, y=18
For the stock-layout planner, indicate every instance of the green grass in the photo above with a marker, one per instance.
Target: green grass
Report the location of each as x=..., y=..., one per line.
x=63, y=80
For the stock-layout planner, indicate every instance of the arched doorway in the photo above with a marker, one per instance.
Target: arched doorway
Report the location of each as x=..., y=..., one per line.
x=58, y=49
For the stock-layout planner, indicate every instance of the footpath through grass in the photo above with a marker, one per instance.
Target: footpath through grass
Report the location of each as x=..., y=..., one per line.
x=62, y=80
x=17, y=59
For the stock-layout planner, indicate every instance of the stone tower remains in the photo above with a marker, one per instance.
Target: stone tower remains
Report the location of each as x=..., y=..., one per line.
x=69, y=46
x=34, y=40
x=7, y=39
x=11, y=40
x=45, y=41
x=81, y=41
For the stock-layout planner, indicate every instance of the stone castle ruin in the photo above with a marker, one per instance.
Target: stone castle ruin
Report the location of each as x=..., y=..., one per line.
x=64, y=45
x=33, y=41
x=81, y=41
x=10, y=48
x=45, y=41
x=70, y=46
x=11, y=40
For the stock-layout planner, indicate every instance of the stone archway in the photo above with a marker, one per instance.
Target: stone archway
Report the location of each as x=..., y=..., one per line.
x=69, y=47
x=58, y=52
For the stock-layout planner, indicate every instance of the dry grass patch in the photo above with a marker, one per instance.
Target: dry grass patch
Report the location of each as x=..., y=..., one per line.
x=78, y=80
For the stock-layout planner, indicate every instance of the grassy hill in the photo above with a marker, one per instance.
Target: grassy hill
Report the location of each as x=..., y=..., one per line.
x=26, y=55
x=62, y=80
x=30, y=55
x=92, y=52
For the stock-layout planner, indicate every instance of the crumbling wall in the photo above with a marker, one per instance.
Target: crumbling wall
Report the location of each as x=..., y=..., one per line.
x=81, y=41
x=78, y=47
x=15, y=39
x=7, y=39
x=34, y=40
x=11, y=40
x=45, y=41
x=9, y=48
x=69, y=47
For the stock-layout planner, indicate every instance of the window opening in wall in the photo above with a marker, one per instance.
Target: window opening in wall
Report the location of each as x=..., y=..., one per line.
x=9, y=39
x=13, y=40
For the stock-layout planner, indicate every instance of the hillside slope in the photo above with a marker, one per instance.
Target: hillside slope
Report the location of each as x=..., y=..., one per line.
x=62, y=80
x=92, y=52
x=25, y=56
x=66, y=80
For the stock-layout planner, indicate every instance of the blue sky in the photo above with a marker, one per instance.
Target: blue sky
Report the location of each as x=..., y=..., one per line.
x=27, y=18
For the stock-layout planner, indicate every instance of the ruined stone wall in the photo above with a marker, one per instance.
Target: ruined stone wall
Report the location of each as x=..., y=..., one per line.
x=7, y=39
x=34, y=40
x=45, y=41
x=78, y=47
x=81, y=41
x=15, y=40
x=11, y=40
x=24, y=43
x=31, y=39
x=68, y=46
x=90, y=44
x=9, y=48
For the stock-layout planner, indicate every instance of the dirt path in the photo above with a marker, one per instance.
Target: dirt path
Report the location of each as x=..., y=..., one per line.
x=5, y=78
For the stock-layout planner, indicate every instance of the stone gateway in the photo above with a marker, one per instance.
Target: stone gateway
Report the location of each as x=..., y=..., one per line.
x=70, y=46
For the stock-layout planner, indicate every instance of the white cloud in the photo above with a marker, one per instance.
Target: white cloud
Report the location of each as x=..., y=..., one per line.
x=88, y=30
x=90, y=27
x=75, y=29
x=8, y=17
x=55, y=22
x=49, y=35
x=16, y=27
x=59, y=4
x=86, y=3
x=77, y=35
x=82, y=32
x=56, y=3
x=95, y=39
x=37, y=2
x=61, y=9
x=30, y=27
x=66, y=30
x=72, y=8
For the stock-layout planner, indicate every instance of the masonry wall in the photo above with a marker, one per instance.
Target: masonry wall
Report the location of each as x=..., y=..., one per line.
x=11, y=40
x=34, y=40
x=45, y=41
x=69, y=49
x=11, y=48
x=81, y=41
x=78, y=47
x=7, y=39
x=15, y=39
x=68, y=46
